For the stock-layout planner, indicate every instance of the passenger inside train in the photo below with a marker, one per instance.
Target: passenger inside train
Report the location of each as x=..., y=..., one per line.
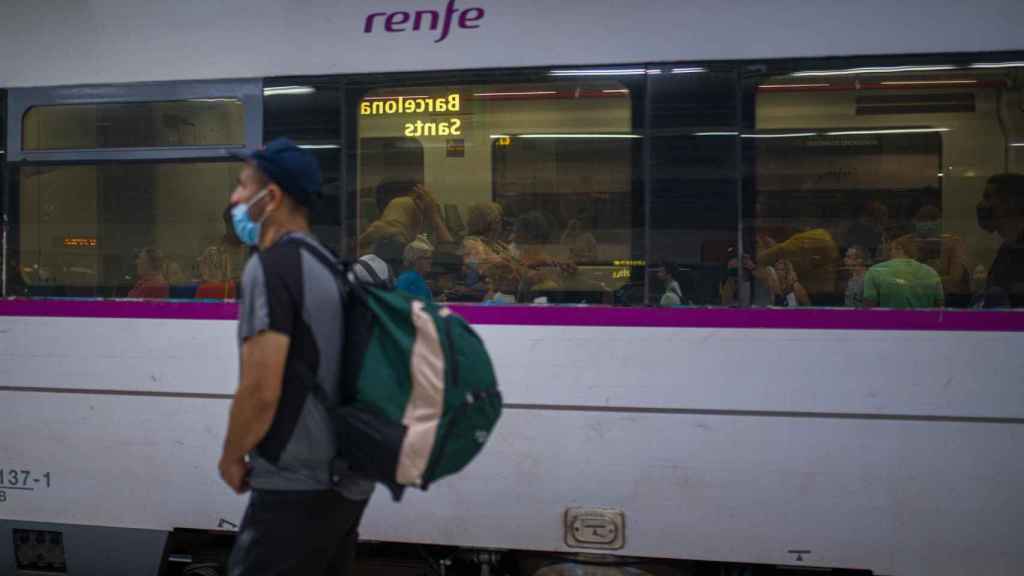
x=855, y=266
x=150, y=281
x=902, y=281
x=1001, y=211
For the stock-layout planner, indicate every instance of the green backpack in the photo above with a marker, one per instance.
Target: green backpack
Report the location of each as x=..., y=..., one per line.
x=419, y=398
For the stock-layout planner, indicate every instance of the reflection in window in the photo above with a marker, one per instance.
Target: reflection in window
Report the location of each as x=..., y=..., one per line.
x=153, y=230
x=693, y=200
x=866, y=189
x=516, y=193
x=309, y=113
x=199, y=122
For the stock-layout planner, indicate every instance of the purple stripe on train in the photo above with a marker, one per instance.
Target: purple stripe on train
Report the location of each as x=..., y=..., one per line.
x=793, y=319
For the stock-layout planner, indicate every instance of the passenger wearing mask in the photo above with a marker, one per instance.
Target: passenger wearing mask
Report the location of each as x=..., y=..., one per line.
x=814, y=257
x=1001, y=211
x=407, y=211
x=418, y=260
x=943, y=252
x=150, y=281
x=902, y=282
x=304, y=512
x=855, y=264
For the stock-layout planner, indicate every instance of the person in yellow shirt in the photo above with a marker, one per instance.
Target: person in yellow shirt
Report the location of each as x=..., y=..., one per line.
x=814, y=256
x=407, y=210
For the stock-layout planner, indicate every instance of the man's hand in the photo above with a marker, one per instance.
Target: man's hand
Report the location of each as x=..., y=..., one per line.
x=426, y=202
x=235, y=473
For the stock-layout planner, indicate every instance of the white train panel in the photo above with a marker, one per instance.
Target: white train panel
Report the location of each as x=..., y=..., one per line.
x=898, y=497
x=926, y=373
x=101, y=41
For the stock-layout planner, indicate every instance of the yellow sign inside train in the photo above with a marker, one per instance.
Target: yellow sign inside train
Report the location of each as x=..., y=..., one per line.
x=396, y=105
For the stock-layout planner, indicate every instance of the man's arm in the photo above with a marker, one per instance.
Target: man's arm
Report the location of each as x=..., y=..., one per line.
x=430, y=210
x=768, y=255
x=252, y=411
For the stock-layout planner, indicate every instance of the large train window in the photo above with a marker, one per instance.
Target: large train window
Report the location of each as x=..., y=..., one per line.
x=894, y=186
x=522, y=190
x=147, y=230
x=125, y=195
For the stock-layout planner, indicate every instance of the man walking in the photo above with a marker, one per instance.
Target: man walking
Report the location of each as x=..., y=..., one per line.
x=301, y=518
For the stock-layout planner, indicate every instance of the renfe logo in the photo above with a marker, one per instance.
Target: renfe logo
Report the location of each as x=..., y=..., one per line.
x=426, y=19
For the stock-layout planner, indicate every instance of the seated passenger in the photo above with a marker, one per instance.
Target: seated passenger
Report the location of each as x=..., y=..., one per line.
x=814, y=257
x=787, y=291
x=418, y=259
x=214, y=280
x=1001, y=211
x=581, y=244
x=149, y=270
x=902, y=282
x=173, y=273
x=672, y=294
x=542, y=272
x=384, y=261
x=855, y=264
x=489, y=262
x=750, y=285
x=407, y=210
x=868, y=231
x=943, y=252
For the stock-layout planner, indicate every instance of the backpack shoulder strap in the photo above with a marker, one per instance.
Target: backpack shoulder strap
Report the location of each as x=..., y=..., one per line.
x=321, y=253
x=336, y=269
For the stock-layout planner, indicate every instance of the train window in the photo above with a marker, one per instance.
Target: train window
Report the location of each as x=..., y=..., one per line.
x=194, y=122
x=512, y=192
x=694, y=187
x=309, y=112
x=146, y=230
x=889, y=186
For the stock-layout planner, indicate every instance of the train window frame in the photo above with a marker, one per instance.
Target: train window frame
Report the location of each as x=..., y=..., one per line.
x=21, y=100
x=43, y=112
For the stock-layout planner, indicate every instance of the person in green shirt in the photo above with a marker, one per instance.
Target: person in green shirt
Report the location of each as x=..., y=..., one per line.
x=902, y=282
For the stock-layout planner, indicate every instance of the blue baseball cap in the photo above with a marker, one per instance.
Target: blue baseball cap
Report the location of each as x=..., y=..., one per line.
x=294, y=169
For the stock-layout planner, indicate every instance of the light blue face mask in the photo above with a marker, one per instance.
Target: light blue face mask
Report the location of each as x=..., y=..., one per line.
x=247, y=230
x=929, y=229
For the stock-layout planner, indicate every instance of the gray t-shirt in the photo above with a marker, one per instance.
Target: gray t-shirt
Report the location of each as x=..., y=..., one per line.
x=288, y=291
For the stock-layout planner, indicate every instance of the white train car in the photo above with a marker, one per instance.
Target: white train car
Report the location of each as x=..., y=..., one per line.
x=654, y=136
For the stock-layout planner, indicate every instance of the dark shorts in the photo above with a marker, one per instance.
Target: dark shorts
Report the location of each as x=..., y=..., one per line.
x=297, y=532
